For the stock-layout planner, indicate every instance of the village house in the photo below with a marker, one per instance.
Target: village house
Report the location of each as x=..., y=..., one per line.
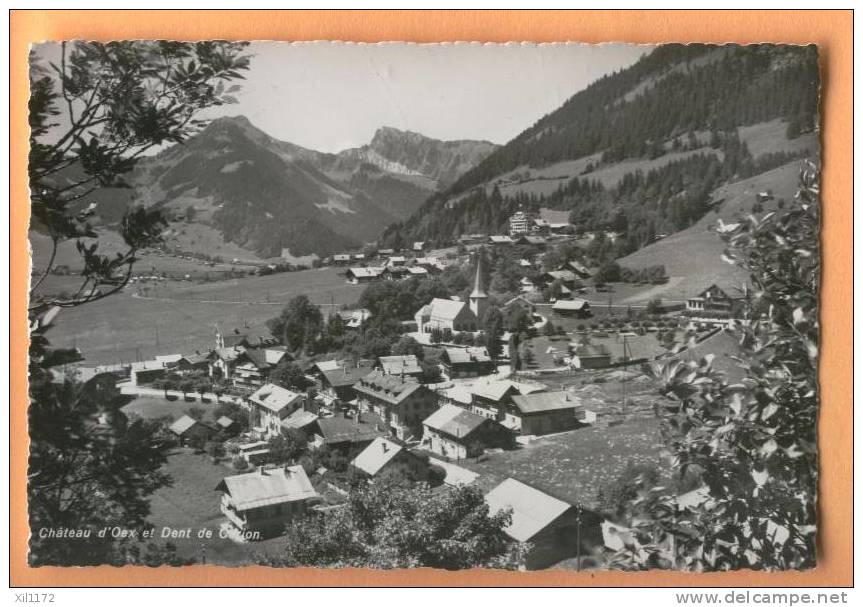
x=579, y=308
x=490, y=399
x=191, y=431
x=266, y=501
x=193, y=362
x=518, y=224
x=456, y=433
x=383, y=455
x=566, y=277
x=403, y=405
x=551, y=526
x=354, y=319
x=589, y=356
x=536, y=241
x=338, y=379
x=713, y=306
x=341, y=258
x=386, y=253
x=545, y=412
x=555, y=221
x=271, y=404
x=419, y=246
x=348, y=431
x=578, y=268
x=251, y=368
x=467, y=362
x=395, y=273
x=226, y=424
x=500, y=239
x=356, y=276
x=403, y=366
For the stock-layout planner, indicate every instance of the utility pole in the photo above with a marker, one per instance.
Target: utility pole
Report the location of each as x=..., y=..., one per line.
x=578, y=537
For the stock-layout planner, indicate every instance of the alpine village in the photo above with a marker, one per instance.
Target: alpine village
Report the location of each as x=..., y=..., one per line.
x=417, y=353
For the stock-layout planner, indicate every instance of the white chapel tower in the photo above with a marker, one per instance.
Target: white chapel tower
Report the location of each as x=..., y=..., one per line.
x=478, y=297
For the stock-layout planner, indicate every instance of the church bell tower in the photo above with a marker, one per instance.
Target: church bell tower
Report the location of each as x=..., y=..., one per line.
x=478, y=297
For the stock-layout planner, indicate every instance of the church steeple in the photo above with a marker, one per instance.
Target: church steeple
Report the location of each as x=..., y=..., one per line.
x=478, y=297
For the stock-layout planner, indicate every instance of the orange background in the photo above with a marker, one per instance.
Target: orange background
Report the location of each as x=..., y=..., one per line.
x=830, y=30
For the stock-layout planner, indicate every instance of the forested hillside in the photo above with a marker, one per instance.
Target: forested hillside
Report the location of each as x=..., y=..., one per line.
x=682, y=103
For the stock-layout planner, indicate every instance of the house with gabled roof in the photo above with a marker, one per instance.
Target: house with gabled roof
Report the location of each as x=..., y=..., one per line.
x=348, y=431
x=263, y=503
x=402, y=404
x=467, y=362
x=338, y=379
x=554, y=529
x=361, y=275
x=270, y=404
x=491, y=398
x=545, y=412
x=405, y=365
x=456, y=433
x=191, y=431
x=385, y=454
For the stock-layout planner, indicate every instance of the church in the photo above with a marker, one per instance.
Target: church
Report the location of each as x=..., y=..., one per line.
x=455, y=315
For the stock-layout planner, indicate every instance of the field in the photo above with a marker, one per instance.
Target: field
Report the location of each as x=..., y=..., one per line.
x=181, y=317
x=574, y=465
x=192, y=501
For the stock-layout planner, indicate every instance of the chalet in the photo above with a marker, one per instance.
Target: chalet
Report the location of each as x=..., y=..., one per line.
x=359, y=256
x=222, y=361
x=337, y=382
x=491, y=399
x=456, y=433
x=383, y=454
x=356, y=276
x=551, y=526
x=193, y=362
x=545, y=412
x=467, y=362
x=518, y=224
x=419, y=246
x=579, y=308
x=403, y=405
x=342, y=258
x=191, y=431
x=263, y=503
x=386, y=252
x=526, y=285
x=417, y=272
x=521, y=302
x=712, y=300
x=348, y=432
x=536, y=241
x=588, y=356
x=271, y=404
x=557, y=221
x=500, y=239
x=354, y=319
x=406, y=365
x=578, y=268
x=396, y=261
x=300, y=419
x=395, y=273
x=566, y=277
x=252, y=367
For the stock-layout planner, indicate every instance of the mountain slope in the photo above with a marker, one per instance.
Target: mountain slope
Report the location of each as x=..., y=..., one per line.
x=657, y=137
x=269, y=195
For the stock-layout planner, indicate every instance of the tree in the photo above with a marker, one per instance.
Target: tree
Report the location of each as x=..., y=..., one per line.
x=115, y=102
x=654, y=306
x=492, y=326
x=289, y=375
x=90, y=467
x=299, y=323
x=392, y=523
x=196, y=413
x=288, y=446
x=751, y=443
x=408, y=345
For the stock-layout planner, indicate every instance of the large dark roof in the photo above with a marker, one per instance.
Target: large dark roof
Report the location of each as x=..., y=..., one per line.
x=339, y=429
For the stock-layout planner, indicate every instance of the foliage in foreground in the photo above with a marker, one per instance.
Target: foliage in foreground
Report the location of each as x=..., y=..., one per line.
x=753, y=443
x=392, y=523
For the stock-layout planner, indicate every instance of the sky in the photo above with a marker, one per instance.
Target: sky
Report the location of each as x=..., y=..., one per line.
x=333, y=96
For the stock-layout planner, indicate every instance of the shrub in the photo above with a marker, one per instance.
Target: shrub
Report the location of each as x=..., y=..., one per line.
x=240, y=463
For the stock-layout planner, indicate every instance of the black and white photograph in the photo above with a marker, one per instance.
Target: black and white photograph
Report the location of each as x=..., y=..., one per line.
x=461, y=305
